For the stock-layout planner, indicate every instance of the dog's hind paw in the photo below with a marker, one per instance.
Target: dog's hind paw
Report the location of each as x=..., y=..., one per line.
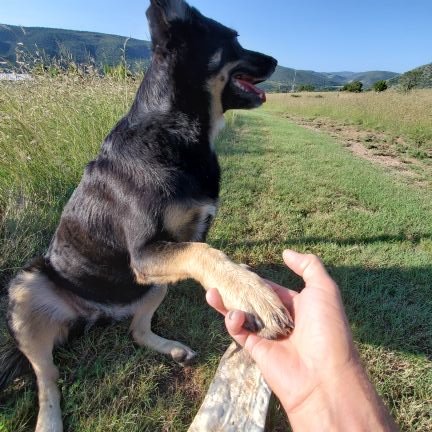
x=183, y=355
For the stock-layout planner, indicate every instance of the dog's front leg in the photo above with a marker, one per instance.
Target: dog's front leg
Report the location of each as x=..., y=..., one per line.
x=240, y=288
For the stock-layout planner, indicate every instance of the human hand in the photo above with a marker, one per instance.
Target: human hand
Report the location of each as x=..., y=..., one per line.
x=320, y=345
x=315, y=372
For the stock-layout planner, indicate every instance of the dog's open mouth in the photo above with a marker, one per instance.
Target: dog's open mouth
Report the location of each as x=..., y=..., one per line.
x=247, y=84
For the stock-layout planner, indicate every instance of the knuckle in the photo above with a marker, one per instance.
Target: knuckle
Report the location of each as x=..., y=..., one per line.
x=313, y=260
x=313, y=257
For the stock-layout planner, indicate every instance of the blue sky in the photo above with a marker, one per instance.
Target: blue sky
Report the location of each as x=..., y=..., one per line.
x=320, y=35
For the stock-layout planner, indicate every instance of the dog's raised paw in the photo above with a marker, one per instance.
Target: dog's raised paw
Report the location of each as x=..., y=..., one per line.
x=253, y=323
x=281, y=324
x=265, y=313
x=270, y=325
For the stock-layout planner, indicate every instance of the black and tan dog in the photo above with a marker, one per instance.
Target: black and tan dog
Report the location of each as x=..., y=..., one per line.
x=139, y=217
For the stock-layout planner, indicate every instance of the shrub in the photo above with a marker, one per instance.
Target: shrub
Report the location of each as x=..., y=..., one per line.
x=306, y=88
x=353, y=86
x=410, y=80
x=380, y=86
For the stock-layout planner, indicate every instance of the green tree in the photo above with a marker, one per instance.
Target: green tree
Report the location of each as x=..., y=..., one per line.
x=410, y=80
x=353, y=86
x=306, y=88
x=380, y=86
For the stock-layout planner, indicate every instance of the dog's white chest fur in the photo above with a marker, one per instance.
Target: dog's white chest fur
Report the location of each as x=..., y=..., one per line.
x=216, y=127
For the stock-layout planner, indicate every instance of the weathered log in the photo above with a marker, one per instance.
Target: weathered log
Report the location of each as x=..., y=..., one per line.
x=237, y=399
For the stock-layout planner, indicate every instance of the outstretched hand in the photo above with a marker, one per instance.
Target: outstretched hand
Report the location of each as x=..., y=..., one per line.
x=320, y=345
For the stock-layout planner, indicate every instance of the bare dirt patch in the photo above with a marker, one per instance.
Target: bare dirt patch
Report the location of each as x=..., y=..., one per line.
x=373, y=146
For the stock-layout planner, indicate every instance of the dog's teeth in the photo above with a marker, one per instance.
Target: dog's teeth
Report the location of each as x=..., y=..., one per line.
x=240, y=86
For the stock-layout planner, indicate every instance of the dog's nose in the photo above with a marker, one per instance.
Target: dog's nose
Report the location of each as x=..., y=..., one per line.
x=273, y=63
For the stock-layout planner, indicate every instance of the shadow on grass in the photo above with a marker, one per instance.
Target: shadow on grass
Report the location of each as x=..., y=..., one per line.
x=348, y=241
x=389, y=307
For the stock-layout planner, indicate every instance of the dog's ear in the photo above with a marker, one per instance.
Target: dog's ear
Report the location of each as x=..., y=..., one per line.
x=162, y=14
x=172, y=9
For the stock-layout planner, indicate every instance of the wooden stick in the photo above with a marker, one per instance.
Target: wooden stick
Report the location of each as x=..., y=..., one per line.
x=238, y=397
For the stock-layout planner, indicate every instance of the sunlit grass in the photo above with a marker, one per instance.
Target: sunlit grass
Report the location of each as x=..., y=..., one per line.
x=400, y=115
x=49, y=130
x=283, y=186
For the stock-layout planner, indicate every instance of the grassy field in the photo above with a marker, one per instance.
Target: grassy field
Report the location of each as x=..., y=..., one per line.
x=405, y=118
x=283, y=186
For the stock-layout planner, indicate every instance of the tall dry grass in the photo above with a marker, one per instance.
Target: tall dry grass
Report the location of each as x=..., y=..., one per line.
x=400, y=115
x=49, y=130
x=283, y=186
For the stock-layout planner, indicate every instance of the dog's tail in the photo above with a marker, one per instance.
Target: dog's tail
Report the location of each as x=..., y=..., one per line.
x=13, y=363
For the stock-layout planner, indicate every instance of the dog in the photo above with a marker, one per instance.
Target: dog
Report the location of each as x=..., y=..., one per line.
x=138, y=219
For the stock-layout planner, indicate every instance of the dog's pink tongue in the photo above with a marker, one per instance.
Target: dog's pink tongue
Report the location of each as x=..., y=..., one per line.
x=254, y=89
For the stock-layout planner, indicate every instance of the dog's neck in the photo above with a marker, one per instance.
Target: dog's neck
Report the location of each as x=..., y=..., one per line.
x=155, y=92
x=160, y=93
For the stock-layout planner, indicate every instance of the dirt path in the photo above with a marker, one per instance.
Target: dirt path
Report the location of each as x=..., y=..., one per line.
x=373, y=146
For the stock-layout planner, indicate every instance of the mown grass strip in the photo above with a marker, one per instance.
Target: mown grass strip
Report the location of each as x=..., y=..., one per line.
x=371, y=229
x=397, y=114
x=282, y=187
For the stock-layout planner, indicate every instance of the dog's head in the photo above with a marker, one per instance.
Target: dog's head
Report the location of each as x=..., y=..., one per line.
x=207, y=56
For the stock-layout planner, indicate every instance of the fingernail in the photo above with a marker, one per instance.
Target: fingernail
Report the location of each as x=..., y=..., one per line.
x=230, y=315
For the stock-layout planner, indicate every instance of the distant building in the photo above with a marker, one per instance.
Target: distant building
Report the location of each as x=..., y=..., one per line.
x=14, y=77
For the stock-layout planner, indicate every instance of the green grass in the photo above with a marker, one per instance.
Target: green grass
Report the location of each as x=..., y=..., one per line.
x=405, y=118
x=49, y=130
x=283, y=186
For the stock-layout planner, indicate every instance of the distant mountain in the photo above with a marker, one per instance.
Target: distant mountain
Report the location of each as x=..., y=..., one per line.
x=283, y=78
x=424, y=80
x=105, y=49
x=367, y=78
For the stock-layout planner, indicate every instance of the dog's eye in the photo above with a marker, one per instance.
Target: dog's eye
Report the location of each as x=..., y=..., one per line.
x=216, y=59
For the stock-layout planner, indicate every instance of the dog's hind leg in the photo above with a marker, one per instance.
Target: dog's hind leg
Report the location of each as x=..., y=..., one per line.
x=143, y=335
x=38, y=349
x=34, y=309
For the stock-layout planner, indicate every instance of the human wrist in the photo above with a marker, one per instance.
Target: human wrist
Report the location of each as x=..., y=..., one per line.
x=347, y=401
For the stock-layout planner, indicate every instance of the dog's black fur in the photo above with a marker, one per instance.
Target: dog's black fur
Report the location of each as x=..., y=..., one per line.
x=158, y=153
x=161, y=153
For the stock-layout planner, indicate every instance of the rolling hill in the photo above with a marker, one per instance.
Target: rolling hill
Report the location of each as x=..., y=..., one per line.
x=284, y=77
x=424, y=77
x=80, y=45
x=106, y=49
x=367, y=78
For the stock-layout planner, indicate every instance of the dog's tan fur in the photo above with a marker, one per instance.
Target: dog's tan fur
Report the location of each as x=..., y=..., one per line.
x=37, y=332
x=166, y=263
x=41, y=313
x=185, y=221
x=143, y=335
x=215, y=86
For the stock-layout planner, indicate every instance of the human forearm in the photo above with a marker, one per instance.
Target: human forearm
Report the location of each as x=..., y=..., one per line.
x=347, y=403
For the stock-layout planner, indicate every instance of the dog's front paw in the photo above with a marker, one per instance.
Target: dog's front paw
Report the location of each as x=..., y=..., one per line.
x=265, y=313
